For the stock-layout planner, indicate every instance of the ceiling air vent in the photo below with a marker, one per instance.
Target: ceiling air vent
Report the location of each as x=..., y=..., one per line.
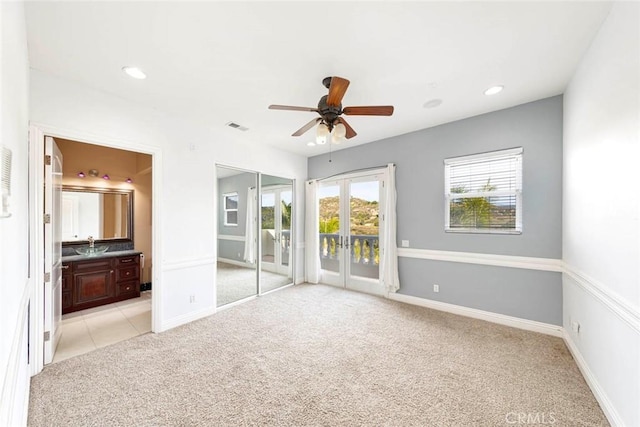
x=237, y=126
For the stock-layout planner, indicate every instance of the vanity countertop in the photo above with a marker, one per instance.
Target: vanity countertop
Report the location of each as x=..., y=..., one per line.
x=70, y=258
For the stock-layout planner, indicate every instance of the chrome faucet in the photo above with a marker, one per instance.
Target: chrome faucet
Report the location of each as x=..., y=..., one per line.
x=91, y=241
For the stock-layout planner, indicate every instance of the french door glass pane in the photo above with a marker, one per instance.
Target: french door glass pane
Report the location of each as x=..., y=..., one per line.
x=268, y=226
x=285, y=237
x=364, y=226
x=329, y=213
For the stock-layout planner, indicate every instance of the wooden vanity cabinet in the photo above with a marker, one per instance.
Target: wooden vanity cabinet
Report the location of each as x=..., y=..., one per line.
x=98, y=281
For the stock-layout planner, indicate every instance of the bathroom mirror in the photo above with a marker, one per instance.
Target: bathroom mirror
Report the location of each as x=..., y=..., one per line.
x=237, y=236
x=106, y=214
x=276, y=250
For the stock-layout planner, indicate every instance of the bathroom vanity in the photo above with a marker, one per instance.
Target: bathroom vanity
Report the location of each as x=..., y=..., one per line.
x=97, y=280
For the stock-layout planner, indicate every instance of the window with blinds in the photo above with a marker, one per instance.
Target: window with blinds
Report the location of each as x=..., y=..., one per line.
x=230, y=203
x=483, y=192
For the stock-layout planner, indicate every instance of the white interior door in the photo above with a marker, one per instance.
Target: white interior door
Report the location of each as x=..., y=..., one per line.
x=52, y=248
x=349, y=232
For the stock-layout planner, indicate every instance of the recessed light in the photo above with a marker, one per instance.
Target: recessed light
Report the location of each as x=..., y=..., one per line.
x=433, y=103
x=493, y=90
x=311, y=144
x=134, y=72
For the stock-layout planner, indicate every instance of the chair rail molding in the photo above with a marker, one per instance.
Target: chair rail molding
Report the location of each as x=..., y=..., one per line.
x=511, y=261
x=611, y=300
x=181, y=264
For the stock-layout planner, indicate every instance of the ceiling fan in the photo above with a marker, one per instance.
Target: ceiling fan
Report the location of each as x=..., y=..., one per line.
x=330, y=111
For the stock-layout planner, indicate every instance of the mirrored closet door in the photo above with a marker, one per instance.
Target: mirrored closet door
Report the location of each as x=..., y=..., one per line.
x=276, y=254
x=237, y=261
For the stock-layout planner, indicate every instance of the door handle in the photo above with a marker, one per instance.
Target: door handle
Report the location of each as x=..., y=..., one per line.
x=340, y=244
x=346, y=243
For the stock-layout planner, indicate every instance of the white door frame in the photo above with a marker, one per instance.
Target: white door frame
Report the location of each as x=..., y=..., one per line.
x=344, y=278
x=37, y=133
x=276, y=266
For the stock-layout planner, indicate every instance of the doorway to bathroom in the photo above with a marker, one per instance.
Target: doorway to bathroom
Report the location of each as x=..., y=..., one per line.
x=106, y=196
x=106, y=202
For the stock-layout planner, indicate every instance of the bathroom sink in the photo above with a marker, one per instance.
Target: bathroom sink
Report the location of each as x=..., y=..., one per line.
x=96, y=250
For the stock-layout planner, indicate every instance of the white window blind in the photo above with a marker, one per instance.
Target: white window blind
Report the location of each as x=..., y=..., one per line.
x=483, y=192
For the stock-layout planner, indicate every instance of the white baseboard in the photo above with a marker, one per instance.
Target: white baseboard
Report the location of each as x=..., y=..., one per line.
x=528, y=325
x=606, y=405
x=187, y=318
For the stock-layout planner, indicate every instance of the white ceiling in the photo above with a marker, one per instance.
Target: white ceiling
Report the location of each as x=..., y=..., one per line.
x=217, y=62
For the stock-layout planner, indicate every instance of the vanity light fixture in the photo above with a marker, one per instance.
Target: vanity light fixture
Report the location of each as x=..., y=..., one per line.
x=81, y=174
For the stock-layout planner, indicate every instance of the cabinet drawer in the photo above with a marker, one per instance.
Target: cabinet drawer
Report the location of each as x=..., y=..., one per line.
x=131, y=287
x=98, y=264
x=127, y=260
x=127, y=273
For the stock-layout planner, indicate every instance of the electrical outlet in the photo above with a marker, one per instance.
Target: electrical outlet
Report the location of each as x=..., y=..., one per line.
x=405, y=243
x=192, y=299
x=436, y=288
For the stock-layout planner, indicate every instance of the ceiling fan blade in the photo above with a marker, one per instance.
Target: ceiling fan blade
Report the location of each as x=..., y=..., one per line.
x=306, y=127
x=373, y=110
x=291, y=108
x=350, y=132
x=337, y=90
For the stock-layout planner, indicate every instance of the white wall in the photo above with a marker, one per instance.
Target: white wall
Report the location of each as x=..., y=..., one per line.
x=601, y=232
x=184, y=203
x=14, y=237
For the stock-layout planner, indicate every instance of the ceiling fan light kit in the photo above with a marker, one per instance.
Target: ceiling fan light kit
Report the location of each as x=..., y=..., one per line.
x=330, y=122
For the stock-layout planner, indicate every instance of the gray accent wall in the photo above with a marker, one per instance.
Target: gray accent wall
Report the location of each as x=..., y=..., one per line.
x=527, y=294
x=419, y=157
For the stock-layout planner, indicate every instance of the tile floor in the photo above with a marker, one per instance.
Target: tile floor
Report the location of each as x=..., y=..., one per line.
x=86, y=330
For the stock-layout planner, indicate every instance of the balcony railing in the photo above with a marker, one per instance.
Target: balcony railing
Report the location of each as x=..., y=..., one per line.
x=283, y=239
x=364, y=253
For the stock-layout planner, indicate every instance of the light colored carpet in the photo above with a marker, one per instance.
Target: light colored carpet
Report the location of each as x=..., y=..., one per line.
x=314, y=355
x=235, y=283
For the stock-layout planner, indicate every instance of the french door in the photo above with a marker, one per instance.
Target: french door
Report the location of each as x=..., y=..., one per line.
x=349, y=213
x=276, y=229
